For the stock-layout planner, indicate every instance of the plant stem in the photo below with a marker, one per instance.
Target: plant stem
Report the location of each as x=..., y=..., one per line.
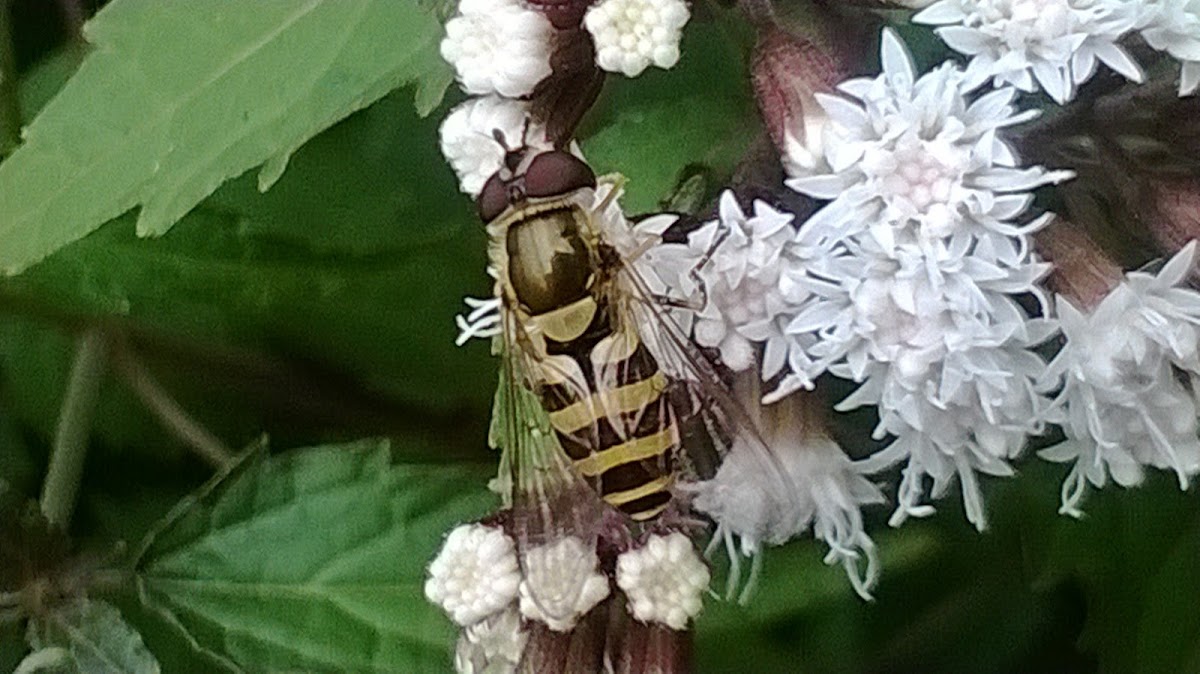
x=169, y=413
x=74, y=423
x=10, y=106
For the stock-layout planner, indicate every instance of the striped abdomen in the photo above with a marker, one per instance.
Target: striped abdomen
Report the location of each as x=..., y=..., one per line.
x=622, y=437
x=605, y=393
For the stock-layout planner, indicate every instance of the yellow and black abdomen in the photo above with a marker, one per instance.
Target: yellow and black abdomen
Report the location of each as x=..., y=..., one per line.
x=622, y=438
x=609, y=409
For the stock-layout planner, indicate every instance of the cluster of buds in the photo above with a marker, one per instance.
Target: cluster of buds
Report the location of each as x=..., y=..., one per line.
x=534, y=68
x=568, y=603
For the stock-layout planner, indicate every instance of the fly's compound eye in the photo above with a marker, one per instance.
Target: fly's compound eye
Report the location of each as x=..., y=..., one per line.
x=557, y=172
x=493, y=199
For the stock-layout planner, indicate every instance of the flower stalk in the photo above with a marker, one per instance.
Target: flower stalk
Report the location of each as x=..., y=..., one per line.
x=74, y=423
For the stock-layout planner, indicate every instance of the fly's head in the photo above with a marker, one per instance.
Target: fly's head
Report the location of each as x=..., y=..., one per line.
x=531, y=174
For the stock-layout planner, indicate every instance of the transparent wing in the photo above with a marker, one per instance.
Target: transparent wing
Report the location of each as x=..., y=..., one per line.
x=556, y=516
x=638, y=426
x=712, y=419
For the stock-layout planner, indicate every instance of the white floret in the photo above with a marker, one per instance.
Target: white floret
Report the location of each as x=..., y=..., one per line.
x=561, y=583
x=630, y=35
x=493, y=645
x=664, y=580
x=498, y=46
x=1173, y=26
x=1121, y=404
x=475, y=575
x=468, y=138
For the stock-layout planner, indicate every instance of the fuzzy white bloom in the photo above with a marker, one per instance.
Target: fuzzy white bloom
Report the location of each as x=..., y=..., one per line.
x=561, y=583
x=914, y=296
x=475, y=574
x=909, y=311
x=970, y=414
x=1056, y=43
x=491, y=646
x=664, y=580
x=633, y=34
x=912, y=163
x=739, y=261
x=1173, y=26
x=468, y=138
x=1122, y=404
x=825, y=491
x=498, y=46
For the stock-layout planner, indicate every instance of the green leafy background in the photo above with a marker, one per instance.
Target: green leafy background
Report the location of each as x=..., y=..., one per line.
x=321, y=311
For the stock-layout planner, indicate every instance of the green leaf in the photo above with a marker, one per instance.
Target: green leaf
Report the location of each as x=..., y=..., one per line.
x=1170, y=624
x=313, y=560
x=1133, y=558
x=349, y=265
x=96, y=638
x=177, y=97
x=653, y=127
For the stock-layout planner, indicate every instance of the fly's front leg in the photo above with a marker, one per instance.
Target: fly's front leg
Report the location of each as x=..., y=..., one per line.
x=698, y=303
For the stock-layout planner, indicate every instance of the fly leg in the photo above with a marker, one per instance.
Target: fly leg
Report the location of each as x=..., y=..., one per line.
x=697, y=303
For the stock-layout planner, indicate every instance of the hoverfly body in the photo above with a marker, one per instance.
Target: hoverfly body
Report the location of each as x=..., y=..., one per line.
x=632, y=405
x=605, y=407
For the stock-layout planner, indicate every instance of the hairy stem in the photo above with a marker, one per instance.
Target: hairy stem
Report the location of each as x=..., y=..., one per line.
x=74, y=422
x=10, y=106
x=169, y=413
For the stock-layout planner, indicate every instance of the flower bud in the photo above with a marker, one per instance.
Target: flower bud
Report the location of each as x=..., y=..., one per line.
x=787, y=71
x=1082, y=270
x=1172, y=213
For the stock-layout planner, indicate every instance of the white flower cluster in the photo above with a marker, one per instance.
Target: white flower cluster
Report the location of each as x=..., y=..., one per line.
x=475, y=575
x=468, y=137
x=1057, y=44
x=561, y=583
x=904, y=282
x=922, y=254
x=740, y=262
x=477, y=580
x=501, y=50
x=1121, y=403
x=827, y=492
x=664, y=580
x=633, y=34
x=1173, y=26
x=498, y=47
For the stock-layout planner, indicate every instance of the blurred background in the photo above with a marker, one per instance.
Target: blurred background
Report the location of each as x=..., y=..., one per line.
x=322, y=310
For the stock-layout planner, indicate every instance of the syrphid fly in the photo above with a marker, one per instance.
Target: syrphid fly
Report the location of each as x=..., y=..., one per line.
x=605, y=405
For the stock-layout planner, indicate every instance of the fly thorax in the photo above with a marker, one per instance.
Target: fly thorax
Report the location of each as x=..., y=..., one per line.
x=549, y=266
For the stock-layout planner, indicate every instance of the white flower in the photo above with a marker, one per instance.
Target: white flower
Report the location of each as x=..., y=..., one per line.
x=971, y=414
x=1173, y=26
x=910, y=311
x=914, y=295
x=561, y=583
x=912, y=163
x=468, y=138
x=664, y=580
x=826, y=491
x=498, y=46
x=1122, y=404
x=739, y=261
x=492, y=646
x=475, y=574
x=632, y=34
x=1055, y=42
